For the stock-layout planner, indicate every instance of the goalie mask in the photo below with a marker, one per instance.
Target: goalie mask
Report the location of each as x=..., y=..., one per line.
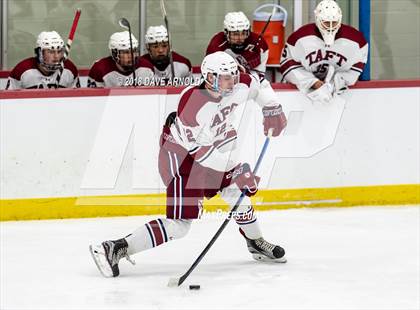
x=119, y=44
x=328, y=20
x=237, y=29
x=157, y=42
x=49, y=50
x=220, y=73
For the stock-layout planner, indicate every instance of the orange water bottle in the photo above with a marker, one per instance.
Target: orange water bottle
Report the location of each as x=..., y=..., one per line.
x=274, y=34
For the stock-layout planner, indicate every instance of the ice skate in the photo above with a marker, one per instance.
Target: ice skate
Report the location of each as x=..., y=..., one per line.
x=107, y=256
x=262, y=250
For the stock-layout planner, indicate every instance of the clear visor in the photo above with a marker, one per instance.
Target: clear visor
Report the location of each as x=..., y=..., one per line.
x=224, y=83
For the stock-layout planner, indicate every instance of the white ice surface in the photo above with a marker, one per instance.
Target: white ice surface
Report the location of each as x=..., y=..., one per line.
x=351, y=258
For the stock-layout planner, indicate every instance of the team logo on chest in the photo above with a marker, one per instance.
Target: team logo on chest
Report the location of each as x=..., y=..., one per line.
x=222, y=114
x=320, y=55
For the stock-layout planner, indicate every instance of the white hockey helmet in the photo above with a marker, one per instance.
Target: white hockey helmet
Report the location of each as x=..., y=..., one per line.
x=156, y=34
x=236, y=21
x=120, y=41
x=219, y=63
x=328, y=19
x=49, y=40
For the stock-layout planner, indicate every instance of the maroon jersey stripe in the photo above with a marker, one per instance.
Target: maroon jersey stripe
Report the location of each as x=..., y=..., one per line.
x=359, y=65
x=288, y=64
x=156, y=232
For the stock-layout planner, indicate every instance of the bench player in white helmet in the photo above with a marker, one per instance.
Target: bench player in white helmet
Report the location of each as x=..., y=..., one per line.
x=155, y=67
x=195, y=162
x=44, y=70
x=237, y=39
x=325, y=57
x=116, y=70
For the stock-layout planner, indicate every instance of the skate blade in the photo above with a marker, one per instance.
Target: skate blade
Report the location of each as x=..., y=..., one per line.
x=98, y=255
x=263, y=258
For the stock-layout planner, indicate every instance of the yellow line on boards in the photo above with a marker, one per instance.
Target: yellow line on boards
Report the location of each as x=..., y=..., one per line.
x=124, y=205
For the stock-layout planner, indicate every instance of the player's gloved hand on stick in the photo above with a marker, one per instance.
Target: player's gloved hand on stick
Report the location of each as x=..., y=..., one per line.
x=245, y=179
x=274, y=118
x=249, y=59
x=253, y=59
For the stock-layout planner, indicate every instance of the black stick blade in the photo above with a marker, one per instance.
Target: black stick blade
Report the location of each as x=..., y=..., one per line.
x=124, y=23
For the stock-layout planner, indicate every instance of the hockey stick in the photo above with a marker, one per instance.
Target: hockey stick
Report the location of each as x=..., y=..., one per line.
x=165, y=19
x=178, y=281
x=261, y=35
x=126, y=25
x=68, y=44
x=265, y=26
x=72, y=32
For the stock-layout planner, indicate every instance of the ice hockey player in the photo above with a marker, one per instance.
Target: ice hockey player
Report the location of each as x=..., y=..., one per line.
x=195, y=162
x=326, y=46
x=45, y=70
x=155, y=68
x=247, y=47
x=116, y=70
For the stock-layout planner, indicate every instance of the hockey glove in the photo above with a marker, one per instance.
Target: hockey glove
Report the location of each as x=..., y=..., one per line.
x=253, y=58
x=323, y=94
x=274, y=118
x=249, y=59
x=245, y=179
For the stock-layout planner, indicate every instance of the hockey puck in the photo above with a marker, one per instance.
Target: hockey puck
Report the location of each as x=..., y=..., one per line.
x=194, y=287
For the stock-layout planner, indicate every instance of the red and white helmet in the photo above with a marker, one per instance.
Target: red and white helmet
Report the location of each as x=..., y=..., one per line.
x=236, y=21
x=219, y=63
x=120, y=41
x=48, y=40
x=156, y=34
x=328, y=19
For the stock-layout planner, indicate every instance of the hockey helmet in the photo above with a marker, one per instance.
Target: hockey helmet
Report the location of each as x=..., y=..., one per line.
x=160, y=56
x=120, y=41
x=328, y=20
x=48, y=40
x=219, y=64
x=236, y=22
x=156, y=34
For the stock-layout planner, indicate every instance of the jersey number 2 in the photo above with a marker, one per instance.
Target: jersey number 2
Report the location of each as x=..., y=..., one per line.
x=190, y=135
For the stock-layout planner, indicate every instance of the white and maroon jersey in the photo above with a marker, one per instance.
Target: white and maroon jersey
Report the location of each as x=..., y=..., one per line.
x=26, y=75
x=255, y=55
x=207, y=127
x=150, y=75
x=105, y=73
x=306, y=58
